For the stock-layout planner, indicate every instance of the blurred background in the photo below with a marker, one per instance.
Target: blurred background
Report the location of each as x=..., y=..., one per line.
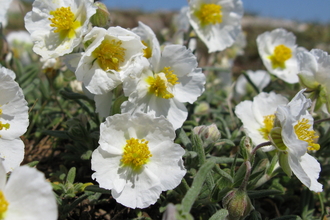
x=299, y=10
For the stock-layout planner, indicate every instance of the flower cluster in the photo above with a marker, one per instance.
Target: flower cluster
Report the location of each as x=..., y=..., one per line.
x=156, y=81
x=151, y=120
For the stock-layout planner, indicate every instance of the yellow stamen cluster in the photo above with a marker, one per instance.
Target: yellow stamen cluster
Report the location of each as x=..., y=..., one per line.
x=3, y=126
x=110, y=54
x=268, y=126
x=136, y=153
x=281, y=54
x=147, y=52
x=159, y=85
x=170, y=76
x=64, y=21
x=3, y=205
x=303, y=133
x=209, y=14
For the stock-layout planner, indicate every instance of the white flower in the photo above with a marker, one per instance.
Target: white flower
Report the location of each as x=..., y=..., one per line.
x=149, y=39
x=259, y=78
x=103, y=104
x=278, y=51
x=292, y=135
x=8, y=72
x=137, y=158
x=181, y=24
x=13, y=120
x=314, y=75
x=163, y=87
x=111, y=55
x=3, y=11
x=216, y=22
x=57, y=27
x=26, y=195
x=20, y=44
x=258, y=116
x=50, y=64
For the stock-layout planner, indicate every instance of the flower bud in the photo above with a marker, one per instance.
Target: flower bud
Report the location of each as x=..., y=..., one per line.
x=102, y=16
x=208, y=133
x=202, y=108
x=238, y=204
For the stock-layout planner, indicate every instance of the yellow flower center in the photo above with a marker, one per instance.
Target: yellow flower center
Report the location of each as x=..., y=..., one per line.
x=3, y=205
x=281, y=54
x=64, y=22
x=159, y=85
x=209, y=14
x=147, y=52
x=303, y=133
x=3, y=126
x=110, y=54
x=268, y=126
x=170, y=76
x=136, y=153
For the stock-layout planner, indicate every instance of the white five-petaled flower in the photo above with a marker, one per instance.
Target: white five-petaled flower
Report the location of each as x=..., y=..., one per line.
x=137, y=158
x=258, y=116
x=149, y=39
x=13, y=120
x=110, y=56
x=165, y=85
x=57, y=27
x=292, y=136
x=216, y=22
x=278, y=51
x=26, y=195
x=314, y=75
x=20, y=44
x=259, y=78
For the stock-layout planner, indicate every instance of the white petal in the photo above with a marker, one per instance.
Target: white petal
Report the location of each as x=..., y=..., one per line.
x=106, y=166
x=181, y=60
x=30, y=196
x=306, y=169
x=219, y=36
x=142, y=193
x=166, y=163
x=12, y=151
x=103, y=104
x=191, y=86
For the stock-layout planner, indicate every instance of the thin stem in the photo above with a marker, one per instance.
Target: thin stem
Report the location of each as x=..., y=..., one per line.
x=321, y=120
x=247, y=175
x=254, y=150
x=312, y=107
x=256, y=89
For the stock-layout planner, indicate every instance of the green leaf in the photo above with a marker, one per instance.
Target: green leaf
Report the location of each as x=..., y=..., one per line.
x=59, y=134
x=253, y=194
x=225, y=160
x=87, y=155
x=196, y=186
x=97, y=189
x=219, y=215
x=71, y=175
x=33, y=163
x=198, y=147
x=184, y=139
x=288, y=217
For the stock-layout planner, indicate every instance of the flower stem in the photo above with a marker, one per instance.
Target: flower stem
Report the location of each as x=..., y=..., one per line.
x=321, y=120
x=247, y=175
x=254, y=150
